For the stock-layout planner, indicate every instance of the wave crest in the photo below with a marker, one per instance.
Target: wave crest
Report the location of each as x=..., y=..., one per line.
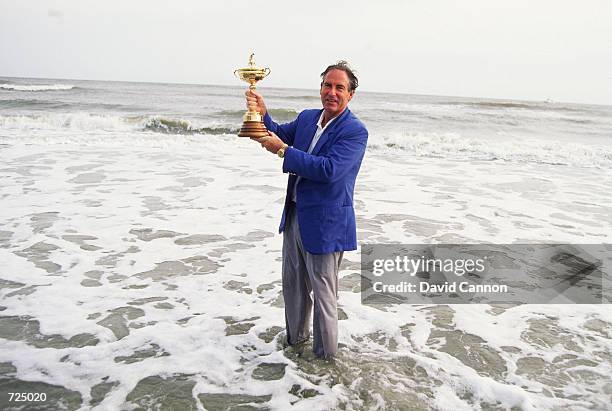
x=107, y=123
x=517, y=150
x=281, y=115
x=36, y=87
x=179, y=126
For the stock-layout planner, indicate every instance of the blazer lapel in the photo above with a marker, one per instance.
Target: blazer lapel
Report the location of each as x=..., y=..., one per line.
x=309, y=134
x=328, y=133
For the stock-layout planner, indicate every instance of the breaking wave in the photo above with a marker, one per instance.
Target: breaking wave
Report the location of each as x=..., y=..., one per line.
x=68, y=121
x=178, y=126
x=455, y=146
x=281, y=115
x=106, y=123
x=36, y=87
x=49, y=126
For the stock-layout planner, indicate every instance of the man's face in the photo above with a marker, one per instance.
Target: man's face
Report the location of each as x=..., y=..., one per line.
x=335, y=94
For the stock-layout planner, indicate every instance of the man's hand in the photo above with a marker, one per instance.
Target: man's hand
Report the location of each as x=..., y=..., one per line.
x=272, y=142
x=255, y=102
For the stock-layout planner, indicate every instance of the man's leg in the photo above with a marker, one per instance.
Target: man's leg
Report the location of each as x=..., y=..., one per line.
x=323, y=273
x=296, y=284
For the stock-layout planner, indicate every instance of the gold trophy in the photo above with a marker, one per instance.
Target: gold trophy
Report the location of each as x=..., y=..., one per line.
x=252, y=125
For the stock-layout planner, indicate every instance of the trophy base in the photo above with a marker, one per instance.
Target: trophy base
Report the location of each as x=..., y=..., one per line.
x=255, y=129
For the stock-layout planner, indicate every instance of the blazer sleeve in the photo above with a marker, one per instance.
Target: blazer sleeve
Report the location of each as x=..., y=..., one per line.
x=286, y=132
x=344, y=153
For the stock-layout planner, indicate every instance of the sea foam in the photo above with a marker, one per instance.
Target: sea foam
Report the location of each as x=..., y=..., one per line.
x=36, y=87
x=514, y=149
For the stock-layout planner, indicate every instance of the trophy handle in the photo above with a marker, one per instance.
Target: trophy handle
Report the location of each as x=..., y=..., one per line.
x=235, y=73
x=267, y=71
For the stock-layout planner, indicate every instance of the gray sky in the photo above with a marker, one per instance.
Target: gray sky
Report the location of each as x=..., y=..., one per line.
x=525, y=49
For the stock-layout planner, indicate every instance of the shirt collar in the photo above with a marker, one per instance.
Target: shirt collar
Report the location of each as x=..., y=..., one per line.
x=329, y=122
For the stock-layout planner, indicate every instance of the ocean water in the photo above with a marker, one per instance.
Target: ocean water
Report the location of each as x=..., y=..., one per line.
x=139, y=258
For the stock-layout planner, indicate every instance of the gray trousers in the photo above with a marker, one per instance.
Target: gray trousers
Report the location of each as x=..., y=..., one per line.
x=303, y=274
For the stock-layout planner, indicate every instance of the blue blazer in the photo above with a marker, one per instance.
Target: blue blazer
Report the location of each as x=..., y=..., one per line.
x=325, y=193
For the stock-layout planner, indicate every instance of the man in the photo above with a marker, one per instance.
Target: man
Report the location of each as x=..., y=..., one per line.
x=322, y=151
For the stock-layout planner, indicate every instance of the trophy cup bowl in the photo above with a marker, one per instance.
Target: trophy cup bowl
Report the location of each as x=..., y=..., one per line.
x=251, y=75
x=252, y=123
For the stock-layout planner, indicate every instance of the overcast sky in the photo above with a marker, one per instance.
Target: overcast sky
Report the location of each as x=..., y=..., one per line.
x=523, y=49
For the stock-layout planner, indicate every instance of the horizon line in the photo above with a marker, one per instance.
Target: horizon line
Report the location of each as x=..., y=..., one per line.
x=547, y=100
